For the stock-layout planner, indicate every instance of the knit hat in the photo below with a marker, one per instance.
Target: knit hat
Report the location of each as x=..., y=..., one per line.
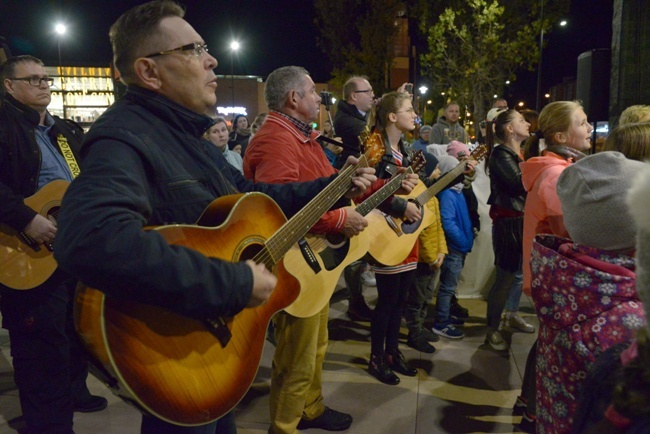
x=592, y=192
x=447, y=163
x=455, y=147
x=493, y=113
x=638, y=200
x=425, y=128
x=431, y=164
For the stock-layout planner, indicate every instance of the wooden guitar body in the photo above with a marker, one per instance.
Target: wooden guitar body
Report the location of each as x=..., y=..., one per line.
x=316, y=288
x=23, y=263
x=391, y=239
x=175, y=367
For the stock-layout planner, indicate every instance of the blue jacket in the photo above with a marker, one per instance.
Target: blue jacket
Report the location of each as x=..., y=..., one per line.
x=455, y=221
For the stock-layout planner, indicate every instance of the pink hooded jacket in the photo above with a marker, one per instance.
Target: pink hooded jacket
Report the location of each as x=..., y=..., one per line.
x=543, y=211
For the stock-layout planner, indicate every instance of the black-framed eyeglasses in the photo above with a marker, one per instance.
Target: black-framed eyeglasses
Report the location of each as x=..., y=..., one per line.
x=197, y=47
x=364, y=91
x=35, y=80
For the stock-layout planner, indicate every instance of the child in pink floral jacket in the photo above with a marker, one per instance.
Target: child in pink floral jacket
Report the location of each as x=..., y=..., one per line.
x=584, y=290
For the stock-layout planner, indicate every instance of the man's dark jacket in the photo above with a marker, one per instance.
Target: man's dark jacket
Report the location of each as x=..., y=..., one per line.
x=20, y=157
x=348, y=125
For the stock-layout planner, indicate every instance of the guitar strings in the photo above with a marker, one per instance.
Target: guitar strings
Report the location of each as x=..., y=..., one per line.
x=284, y=238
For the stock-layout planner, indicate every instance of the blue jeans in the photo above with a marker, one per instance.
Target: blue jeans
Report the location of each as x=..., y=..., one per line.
x=512, y=304
x=449, y=274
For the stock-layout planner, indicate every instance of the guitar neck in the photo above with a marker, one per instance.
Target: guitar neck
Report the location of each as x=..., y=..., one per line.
x=294, y=229
x=382, y=194
x=441, y=184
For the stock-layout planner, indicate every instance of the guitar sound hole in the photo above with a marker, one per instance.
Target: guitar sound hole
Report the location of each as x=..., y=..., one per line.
x=411, y=227
x=250, y=251
x=332, y=256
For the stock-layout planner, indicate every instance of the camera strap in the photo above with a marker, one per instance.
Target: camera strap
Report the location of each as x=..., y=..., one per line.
x=341, y=144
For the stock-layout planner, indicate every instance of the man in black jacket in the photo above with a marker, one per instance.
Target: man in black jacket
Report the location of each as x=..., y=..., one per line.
x=349, y=122
x=144, y=164
x=352, y=116
x=36, y=149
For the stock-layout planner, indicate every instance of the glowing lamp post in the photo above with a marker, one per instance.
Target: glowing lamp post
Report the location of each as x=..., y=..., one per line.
x=234, y=47
x=60, y=30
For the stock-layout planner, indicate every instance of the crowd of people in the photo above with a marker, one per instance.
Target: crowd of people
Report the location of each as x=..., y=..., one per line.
x=569, y=229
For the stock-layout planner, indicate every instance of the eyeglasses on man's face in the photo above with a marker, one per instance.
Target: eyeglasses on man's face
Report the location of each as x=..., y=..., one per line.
x=35, y=80
x=365, y=91
x=196, y=47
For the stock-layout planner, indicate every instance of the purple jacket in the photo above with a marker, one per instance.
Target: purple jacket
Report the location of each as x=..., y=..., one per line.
x=586, y=302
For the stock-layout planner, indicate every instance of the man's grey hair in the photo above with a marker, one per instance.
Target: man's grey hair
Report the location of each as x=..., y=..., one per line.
x=282, y=81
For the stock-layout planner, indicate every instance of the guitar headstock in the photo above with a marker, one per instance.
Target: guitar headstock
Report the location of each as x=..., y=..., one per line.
x=418, y=162
x=373, y=147
x=479, y=153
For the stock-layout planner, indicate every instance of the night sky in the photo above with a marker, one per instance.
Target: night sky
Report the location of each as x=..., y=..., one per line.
x=273, y=33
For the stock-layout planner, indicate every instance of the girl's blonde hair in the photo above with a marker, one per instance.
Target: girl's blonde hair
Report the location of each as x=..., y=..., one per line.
x=554, y=118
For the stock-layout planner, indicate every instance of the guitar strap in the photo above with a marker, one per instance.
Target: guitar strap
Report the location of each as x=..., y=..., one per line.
x=68, y=155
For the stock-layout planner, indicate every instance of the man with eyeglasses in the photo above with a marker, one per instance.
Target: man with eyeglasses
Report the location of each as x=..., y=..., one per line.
x=146, y=164
x=37, y=148
x=352, y=115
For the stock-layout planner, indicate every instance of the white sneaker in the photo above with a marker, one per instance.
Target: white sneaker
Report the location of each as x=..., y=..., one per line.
x=368, y=278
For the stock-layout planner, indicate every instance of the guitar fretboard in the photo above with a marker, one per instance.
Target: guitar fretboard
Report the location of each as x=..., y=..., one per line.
x=294, y=229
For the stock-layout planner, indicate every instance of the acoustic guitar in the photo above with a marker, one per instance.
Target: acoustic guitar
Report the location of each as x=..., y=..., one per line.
x=318, y=276
x=25, y=264
x=392, y=239
x=190, y=372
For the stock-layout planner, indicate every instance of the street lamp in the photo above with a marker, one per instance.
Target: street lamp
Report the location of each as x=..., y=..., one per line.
x=234, y=46
x=423, y=90
x=538, y=95
x=60, y=30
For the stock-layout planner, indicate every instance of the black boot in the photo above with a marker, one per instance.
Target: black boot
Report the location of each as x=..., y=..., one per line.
x=381, y=371
x=395, y=361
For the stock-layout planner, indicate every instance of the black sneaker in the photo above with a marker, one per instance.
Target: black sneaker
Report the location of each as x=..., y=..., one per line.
x=378, y=368
x=430, y=336
x=457, y=310
x=330, y=420
x=421, y=343
x=91, y=404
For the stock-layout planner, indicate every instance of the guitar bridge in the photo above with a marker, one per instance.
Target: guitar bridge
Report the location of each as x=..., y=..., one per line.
x=393, y=225
x=219, y=329
x=30, y=242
